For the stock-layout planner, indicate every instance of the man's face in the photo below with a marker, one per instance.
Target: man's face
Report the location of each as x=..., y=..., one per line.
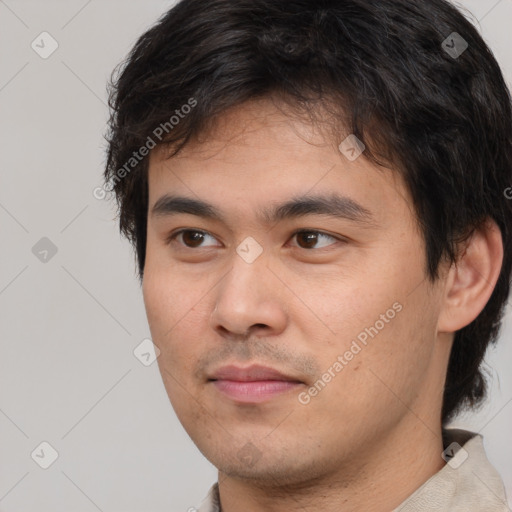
x=344, y=309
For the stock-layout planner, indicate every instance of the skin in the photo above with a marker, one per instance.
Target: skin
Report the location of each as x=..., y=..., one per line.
x=373, y=434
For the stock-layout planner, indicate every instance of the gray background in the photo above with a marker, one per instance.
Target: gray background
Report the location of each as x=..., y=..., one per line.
x=68, y=328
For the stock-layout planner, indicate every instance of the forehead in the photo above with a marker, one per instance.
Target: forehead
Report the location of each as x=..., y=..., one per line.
x=257, y=154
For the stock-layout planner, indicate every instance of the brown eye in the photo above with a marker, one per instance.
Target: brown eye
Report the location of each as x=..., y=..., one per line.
x=308, y=239
x=191, y=238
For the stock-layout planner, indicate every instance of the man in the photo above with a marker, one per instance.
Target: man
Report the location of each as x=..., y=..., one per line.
x=316, y=195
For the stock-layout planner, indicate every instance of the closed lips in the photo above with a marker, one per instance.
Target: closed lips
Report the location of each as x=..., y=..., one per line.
x=250, y=374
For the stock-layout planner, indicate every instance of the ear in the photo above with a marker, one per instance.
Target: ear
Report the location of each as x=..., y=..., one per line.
x=471, y=280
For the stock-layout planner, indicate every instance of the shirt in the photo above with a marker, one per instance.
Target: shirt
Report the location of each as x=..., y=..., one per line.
x=468, y=482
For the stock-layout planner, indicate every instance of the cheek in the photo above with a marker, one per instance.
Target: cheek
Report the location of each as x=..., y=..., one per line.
x=174, y=325
x=383, y=330
x=392, y=359
x=172, y=294
x=335, y=309
x=172, y=317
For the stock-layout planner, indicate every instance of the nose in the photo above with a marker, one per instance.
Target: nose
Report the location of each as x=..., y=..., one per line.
x=249, y=301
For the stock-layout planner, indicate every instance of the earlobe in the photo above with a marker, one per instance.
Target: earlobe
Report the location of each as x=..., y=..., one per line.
x=471, y=280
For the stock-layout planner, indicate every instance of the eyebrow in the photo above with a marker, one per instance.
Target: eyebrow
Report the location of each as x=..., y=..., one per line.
x=333, y=205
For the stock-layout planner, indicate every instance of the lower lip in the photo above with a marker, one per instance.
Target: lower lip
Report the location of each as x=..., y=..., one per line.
x=254, y=391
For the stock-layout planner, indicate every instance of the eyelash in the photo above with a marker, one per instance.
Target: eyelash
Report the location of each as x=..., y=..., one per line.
x=174, y=235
